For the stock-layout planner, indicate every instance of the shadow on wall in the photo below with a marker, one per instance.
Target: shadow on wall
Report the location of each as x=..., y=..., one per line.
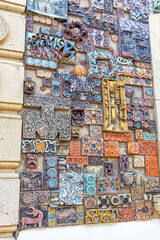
x=139, y=230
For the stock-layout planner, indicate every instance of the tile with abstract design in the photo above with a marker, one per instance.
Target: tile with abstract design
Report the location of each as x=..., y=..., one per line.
x=152, y=166
x=101, y=216
x=91, y=203
x=35, y=198
x=120, y=200
x=151, y=184
x=137, y=193
x=50, y=172
x=139, y=161
x=75, y=148
x=77, y=160
x=149, y=136
x=127, y=214
x=63, y=216
x=31, y=180
x=33, y=217
x=133, y=148
x=70, y=187
x=93, y=116
x=95, y=131
x=144, y=209
x=92, y=146
x=148, y=148
x=111, y=149
x=89, y=184
x=118, y=137
x=128, y=178
x=108, y=185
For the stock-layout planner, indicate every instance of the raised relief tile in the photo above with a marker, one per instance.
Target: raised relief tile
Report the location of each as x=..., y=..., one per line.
x=92, y=146
x=144, y=209
x=90, y=202
x=152, y=166
x=123, y=162
x=128, y=178
x=95, y=131
x=133, y=148
x=31, y=180
x=34, y=198
x=77, y=160
x=120, y=200
x=51, y=172
x=114, y=106
x=127, y=214
x=148, y=148
x=75, y=148
x=139, y=161
x=119, y=137
x=71, y=188
x=101, y=216
x=75, y=132
x=31, y=162
x=93, y=116
x=46, y=125
x=111, y=149
x=108, y=168
x=56, y=8
x=33, y=217
x=108, y=185
x=77, y=116
x=151, y=184
x=89, y=184
x=64, y=216
x=138, y=134
x=137, y=193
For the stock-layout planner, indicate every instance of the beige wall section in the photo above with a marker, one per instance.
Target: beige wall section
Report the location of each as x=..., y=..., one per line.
x=13, y=46
x=11, y=100
x=154, y=23
x=13, y=5
x=11, y=81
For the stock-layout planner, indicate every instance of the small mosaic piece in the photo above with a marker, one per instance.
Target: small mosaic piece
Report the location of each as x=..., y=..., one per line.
x=77, y=117
x=89, y=184
x=138, y=161
x=111, y=149
x=127, y=214
x=92, y=146
x=75, y=148
x=33, y=217
x=93, y=116
x=120, y=200
x=128, y=178
x=31, y=180
x=101, y=216
x=108, y=185
x=144, y=209
x=115, y=115
x=133, y=148
x=137, y=193
x=31, y=162
x=119, y=137
x=51, y=172
x=148, y=148
x=76, y=160
x=138, y=134
x=90, y=202
x=151, y=184
x=71, y=188
x=108, y=168
x=96, y=131
x=123, y=162
x=152, y=166
x=63, y=216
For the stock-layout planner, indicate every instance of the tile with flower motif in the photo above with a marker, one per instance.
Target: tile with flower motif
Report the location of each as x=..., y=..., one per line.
x=92, y=146
x=111, y=149
x=144, y=209
x=108, y=185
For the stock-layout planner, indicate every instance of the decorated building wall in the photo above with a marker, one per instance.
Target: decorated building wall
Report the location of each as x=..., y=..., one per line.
x=89, y=151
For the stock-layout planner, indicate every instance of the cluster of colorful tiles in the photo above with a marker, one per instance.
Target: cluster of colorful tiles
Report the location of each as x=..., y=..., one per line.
x=89, y=135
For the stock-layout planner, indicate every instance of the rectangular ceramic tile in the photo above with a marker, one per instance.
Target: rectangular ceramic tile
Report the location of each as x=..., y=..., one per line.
x=101, y=216
x=152, y=166
x=108, y=185
x=92, y=146
x=76, y=160
x=75, y=148
x=119, y=137
x=111, y=149
x=89, y=184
